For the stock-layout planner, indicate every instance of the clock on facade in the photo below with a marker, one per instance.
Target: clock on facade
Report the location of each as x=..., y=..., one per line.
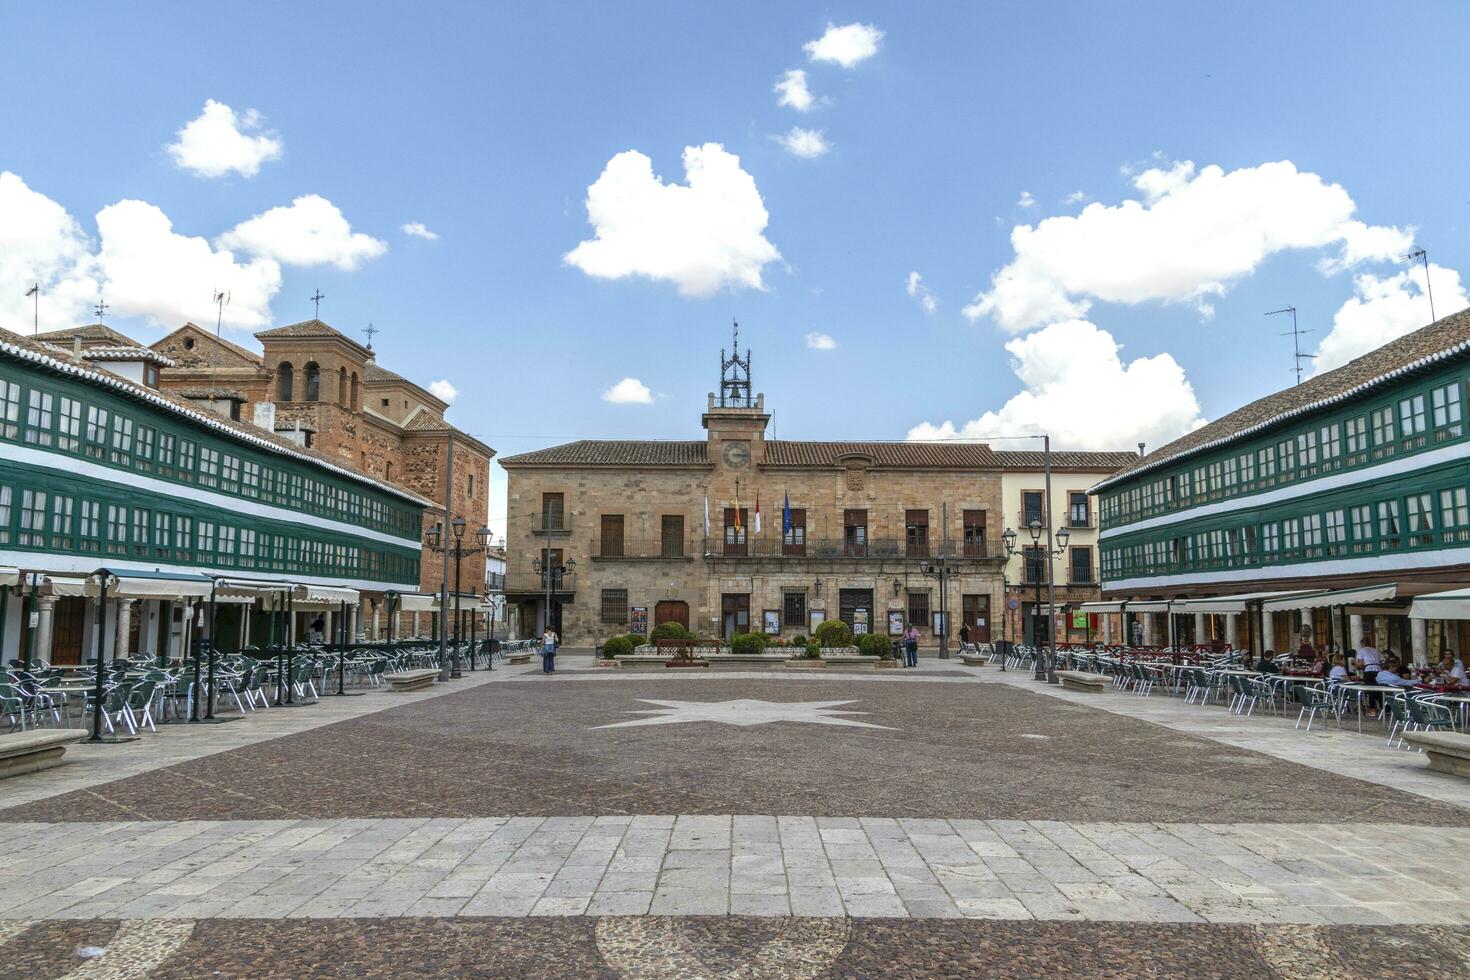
x=737, y=455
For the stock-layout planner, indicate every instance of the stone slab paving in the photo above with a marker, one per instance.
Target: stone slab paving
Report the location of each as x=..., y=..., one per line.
x=1310, y=874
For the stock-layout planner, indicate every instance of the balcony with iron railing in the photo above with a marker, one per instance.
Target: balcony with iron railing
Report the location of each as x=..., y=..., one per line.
x=562, y=581
x=772, y=546
x=559, y=525
x=494, y=581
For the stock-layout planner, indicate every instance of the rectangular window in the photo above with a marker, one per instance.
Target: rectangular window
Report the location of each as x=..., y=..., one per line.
x=122, y=441
x=1452, y=510
x=204, y=542
x=141, y=523
x=89, y=531
x=1266, y=463
x=1078, y=509
x=1216, y=472
x=1330, y=440
x=1035, y=565
x=1271, y=540
x=1420, y=514
x=1247, y=463
x=1336, y=532
x=9, y=409
x=1231, y=475
x=165, y=454
x=737, y=526
x=916, y=533
x=69, y=426
x=117, y=530
x=39, y=418
x=553, y=511
x=96, y=444
x=1030, y=507
x=1361, y=520
x=974, y=533
x=1312, y=535
x=1382, y=422
x=855, y=533
x=1388, y=523
x=184, y=537
x=1185, y=484
x=793, y=539
x=919, y=609
x=671, y=536
x=163, y=534
x=247, y=547
x=1356, y=431
x=1291, y=534
x=187, y=451
x=1081, y=566
x=32, y=519
x=61, y=513
x=6, y=496
x=612, y=536
x=1445, y=403
x=1286, y=457
x=1306, y=449
x=250, y=479
x=208, y=467
x=227, y=544
x=793, y=610
x=230, y=474
x=614, y=605
x=143, y=448
x=1412, y=418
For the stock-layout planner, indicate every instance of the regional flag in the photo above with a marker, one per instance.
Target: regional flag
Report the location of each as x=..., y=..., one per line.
x=786, y=515
x=757, y=512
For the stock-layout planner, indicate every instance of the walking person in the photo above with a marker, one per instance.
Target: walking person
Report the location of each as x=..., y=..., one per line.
x=549, y=641
x=911, y=646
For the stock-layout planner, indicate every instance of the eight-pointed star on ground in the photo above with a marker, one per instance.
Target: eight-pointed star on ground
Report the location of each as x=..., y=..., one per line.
x=744, y=712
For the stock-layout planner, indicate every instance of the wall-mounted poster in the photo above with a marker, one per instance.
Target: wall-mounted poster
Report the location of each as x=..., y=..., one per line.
x=939, y=624
x=639, y=621
x=819, y=616
x=895, y=622
x=773, y=622
x=859, y=622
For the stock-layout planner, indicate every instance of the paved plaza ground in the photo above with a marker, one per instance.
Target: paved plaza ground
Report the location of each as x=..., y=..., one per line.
x=657, y=824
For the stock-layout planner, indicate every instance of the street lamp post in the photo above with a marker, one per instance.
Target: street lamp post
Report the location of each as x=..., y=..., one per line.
x=458, y=551
x=1009, y=540
x=941, y=570
x=1047, y=670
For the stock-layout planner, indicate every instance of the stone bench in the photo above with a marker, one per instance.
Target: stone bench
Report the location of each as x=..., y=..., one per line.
x=412, y=680
x=1076, y=680
x=974, y=659
x=519, y=658
x=804, y=663
x=858, y=662
x=1447, y=751
x=23, y=752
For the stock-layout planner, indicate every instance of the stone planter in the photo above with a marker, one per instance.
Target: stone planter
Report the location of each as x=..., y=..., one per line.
x=805, y=663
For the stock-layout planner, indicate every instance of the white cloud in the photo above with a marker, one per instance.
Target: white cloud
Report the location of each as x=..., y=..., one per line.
x=915, y=287
x=792, y=91
x=1076, y=197
x=805, y=143
x=1026, y=200
x=417, y=229
x=218, y=142
x=702, y=236
x=153, y=272
x=443, y=390
x=1385, y=308
x=629, y=391
x=311, y=231
x=1072, y=371
x=820, y=341
x=41, y=242
x=1189, y=238
x=846, y=46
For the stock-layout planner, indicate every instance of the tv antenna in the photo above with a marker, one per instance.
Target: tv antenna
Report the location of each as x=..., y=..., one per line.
x=221, y=300
x=100, y=309
x=317, y=300
x=1296, y=343
x=35, y=291
x=1422, y=255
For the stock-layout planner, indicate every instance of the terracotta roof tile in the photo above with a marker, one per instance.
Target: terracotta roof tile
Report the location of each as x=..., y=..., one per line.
x=90, y=332
x=1446, y=337
x=615, y=452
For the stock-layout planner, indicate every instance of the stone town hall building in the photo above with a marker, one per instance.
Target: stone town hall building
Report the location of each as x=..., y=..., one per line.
x=315, y=386
x=666, y=530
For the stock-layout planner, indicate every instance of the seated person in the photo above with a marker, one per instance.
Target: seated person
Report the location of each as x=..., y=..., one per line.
x=1337, y=674
x=1267, y=663
x=1389, y=675
x=1450, y=667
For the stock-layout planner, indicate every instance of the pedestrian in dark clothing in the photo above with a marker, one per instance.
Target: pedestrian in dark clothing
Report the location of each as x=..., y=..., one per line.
x=911, y=646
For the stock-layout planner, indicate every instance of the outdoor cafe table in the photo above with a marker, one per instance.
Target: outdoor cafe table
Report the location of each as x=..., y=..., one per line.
x=1360, y=689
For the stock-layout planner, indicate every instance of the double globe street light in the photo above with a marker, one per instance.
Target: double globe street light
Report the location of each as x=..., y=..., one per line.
x=1046, y=668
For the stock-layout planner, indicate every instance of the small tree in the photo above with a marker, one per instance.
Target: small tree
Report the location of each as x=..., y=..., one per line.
x=617, y=646
x=748, y=644
x=833, y=633
x=873, y=645
x=670, y=631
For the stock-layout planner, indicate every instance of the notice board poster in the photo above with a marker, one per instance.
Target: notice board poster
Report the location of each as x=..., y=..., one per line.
x=638, y=623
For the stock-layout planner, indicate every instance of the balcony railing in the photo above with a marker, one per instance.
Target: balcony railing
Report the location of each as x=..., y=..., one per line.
x=557, y=524
x=771, y=546
x=494, y=581
x=561, y=581
x=644, y=548
x=1079, y=520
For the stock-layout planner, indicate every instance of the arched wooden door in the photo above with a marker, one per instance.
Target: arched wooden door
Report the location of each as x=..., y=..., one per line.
x=671, y=611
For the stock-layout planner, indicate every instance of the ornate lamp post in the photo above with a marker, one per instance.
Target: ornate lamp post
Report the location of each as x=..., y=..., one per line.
x=458, y=550
x=1009, y=540
x=551, y=575
x=1048, y=670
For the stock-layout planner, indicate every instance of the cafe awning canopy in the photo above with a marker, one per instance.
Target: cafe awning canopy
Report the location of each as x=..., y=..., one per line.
x=1228, y=604
x=1454, y=604
x=1111, y=606
x=324, y=597
x=134, y=585
x=1386, y=592
x=414, y=602
x=245, y=590
x=1149, y=605
x=9, y=576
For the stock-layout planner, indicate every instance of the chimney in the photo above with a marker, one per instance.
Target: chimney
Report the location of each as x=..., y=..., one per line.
x=76, y=347
x=1140, y=450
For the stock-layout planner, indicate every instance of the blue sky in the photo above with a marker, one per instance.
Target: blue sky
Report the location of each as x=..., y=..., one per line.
x=488, y=123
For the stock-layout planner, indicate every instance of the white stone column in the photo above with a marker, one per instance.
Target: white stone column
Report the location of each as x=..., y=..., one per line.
x=360, y=622
x=46, y=607
x=122, y=643
x=1355, y=632
x=1199, y=627
x=1230, y=627
x=1268, y=633
x=1419, y=641
x=1107, y=625
x=1148, y=628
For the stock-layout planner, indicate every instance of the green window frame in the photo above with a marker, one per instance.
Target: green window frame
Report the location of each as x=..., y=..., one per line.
x=40, y=417
x=33, y=519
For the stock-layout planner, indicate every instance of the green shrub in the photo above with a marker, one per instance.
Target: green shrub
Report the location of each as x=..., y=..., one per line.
x=798, y=640
x=833, y=633
x=670, y=631
x=813, y=652
x=617, y=646
x=637, y=639
x=747, y=644
x=873, y=645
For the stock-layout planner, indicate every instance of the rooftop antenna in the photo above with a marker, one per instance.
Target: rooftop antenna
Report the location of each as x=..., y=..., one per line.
x=221, y=300
x=317, y=300
x=35, y=291
x=370, y=331
x=1296, y=343
x=100, y=309
x=1422, y=255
